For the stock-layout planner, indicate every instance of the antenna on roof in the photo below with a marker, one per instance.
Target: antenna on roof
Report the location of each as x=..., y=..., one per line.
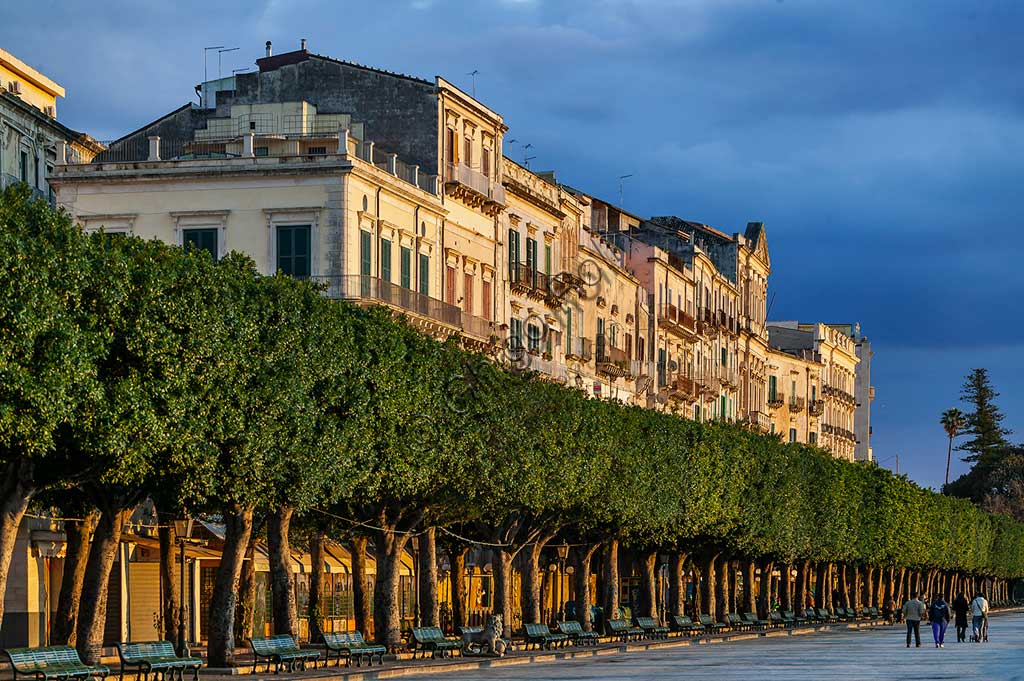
x=206, y=76
x=219, y=53
x=473, y=75
x=621, y=178
x=526, y=149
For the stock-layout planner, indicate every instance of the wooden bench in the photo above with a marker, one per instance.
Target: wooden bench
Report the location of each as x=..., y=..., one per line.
x=736, y=623
x=776, y=619
x=621, y=631
x=651, y=628
x=156, y=657
x=711, y=626
x=542, y=637
x=351, y=646
x=51, y=662
x=574, y=630
x=686, y=626
x=432, y=639
x=755, y=622
x=825, y=616
x=281, y=651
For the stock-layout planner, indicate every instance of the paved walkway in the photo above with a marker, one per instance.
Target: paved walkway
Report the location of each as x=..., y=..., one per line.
x=863, y=655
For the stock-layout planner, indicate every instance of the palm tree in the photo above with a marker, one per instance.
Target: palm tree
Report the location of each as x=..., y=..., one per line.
x=953, y=421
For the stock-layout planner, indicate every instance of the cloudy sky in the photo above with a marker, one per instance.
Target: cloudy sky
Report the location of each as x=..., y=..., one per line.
x=880, y=142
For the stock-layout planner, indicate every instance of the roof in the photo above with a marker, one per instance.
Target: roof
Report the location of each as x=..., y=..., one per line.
x=68, y=133
x=181, y=108
x=297, y=56
x=12, y=63
x=675, y=222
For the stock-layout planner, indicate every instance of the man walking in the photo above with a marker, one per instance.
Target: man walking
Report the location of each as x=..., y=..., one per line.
x=960, y=607
x=938, y=615
x=913, y=611
x=979, y=612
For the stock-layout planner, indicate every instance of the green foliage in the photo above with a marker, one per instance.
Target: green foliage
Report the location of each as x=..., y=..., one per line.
x=984, y=424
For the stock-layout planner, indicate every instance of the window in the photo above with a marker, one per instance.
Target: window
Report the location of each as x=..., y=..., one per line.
x=725, y=357
x=203, y=239
x=449, y=285
x=485, y=300
x=533, y=334
x=261, y=151
x=293, y=250
x=721, y=407
x=772, y=428
x=792, y=434
x=467, y=294
x=547, y=259
x=451, y=147
x=467, y=157
x=406, y=265
x=772, y=388
x=365, y=254
x=814, y=393
x=515, y=334
x=385, y=259
x=640, y=348
x=531, y=260
x=513, y=255
x=318, y=151
x=424, y=274
x=662, y=378
x=812, y=438
x=628, y=346
x=792, y=389
x=485, y=163
x=568, y=329
x=23, y=166
x=696, y=412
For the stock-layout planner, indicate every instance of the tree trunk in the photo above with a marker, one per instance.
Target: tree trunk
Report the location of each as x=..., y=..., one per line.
x=503, y=589
x=388, y=545
x=869, y=587
x=459, y=588
x=749, y=580
x=585, y=555
x=245, y=607
x=708, y=584
x=430, y=609
x=314, y=607
x=530, y=602
x=92, y=614
x=611, y=584
x=844, y=587
x=361, y=603
x=722, y=589
x=282, y=585
x=16, y=491
x=221, y=639
x=79, y=535
x=800, y=587
x=169, y=581
x=785, y=593
x=677, y=584
x=649, y=585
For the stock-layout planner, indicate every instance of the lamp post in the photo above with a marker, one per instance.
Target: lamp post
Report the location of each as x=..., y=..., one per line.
x=415, y=541
x=182, y=532
x=563, y=553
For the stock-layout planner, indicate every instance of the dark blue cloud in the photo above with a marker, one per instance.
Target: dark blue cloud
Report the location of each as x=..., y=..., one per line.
x=881, y=142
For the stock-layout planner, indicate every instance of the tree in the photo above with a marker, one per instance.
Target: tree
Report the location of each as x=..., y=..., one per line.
x=984, y=424
x=952, y=422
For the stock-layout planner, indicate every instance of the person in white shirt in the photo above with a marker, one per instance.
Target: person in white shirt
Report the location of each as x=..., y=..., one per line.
x=979, y=613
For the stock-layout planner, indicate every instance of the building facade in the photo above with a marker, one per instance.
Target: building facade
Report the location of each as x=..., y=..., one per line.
x=864, y=392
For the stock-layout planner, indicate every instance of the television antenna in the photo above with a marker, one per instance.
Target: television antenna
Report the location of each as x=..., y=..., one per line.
x=621, y=178
x=472, y=74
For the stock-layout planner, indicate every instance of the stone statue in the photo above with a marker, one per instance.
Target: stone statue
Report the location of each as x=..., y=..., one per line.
x=487, y=640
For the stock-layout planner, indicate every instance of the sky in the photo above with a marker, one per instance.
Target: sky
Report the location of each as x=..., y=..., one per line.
x=881, y=143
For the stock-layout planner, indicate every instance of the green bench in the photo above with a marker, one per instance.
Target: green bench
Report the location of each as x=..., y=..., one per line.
x=574, y=630
x=51, y=662
x=711, y=626
x=651, y=628
x=542, y=637
x=351, y=646
x=432, y=639
x=281, y=651
x=686, y=626
x=755, y=622
x=736, y=623
x=620, y=630
x=156, y=657
x=776, y=619
x=825, y=616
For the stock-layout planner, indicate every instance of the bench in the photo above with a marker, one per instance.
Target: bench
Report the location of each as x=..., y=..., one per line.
x=433, y=640
x=651, y=628
x=710, y=625
x=792, y=619
x=736, y=623
x=51, y=662
x=281, y=651
x=621, y=630
x=686, y=626
x=825, y=616
x=755, y=622
x=157, y=657
x=776, y=620
x=351, y=646
x=574, y=630
x=541, y=636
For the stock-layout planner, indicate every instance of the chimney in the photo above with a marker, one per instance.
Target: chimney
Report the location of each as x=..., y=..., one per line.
x=302, y=44
x=270, y=49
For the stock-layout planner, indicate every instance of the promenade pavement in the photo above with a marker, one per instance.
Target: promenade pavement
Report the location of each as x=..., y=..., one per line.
x=874, y=654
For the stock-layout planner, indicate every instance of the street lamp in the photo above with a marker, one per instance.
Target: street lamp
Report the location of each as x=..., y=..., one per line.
x=415, y=542
x=563, y=553
x=183, y=534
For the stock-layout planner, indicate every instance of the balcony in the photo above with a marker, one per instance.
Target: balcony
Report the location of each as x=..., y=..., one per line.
x=473, y=188
x=760, y=421
x=611, y=361
x=796, y=404
x=581, y=349
x=816, y=407
x=729, y=376
x=673, y=318
x=526, y=280
x=434, y=316
x=708, y=383
x=777, y=400
x=683, y=388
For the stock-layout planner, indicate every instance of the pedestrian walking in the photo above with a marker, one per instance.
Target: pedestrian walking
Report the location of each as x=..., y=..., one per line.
x=913, y=612
x=979, y=613
x=938, y=615
x=960, y=608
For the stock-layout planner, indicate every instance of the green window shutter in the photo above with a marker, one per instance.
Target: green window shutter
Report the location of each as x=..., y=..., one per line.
x=513, y=255
x=772, y=388
x=293, y=250
x=568, y=329
x=424, y=274
x=725, y=356
x=385, y=260
x=547, y=259
x=406, y=265
x=203, y=239
x=365, y=254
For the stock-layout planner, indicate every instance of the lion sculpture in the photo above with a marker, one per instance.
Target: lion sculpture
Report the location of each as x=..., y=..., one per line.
x=486, y=641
